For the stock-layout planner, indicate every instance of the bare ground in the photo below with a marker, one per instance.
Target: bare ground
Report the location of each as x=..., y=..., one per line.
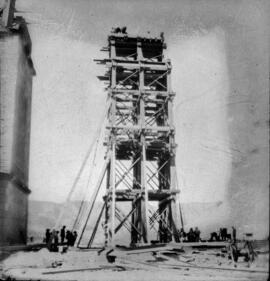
x=188, y=265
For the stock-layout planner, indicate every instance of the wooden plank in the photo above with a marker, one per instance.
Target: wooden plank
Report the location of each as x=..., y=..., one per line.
x=96, y=227
x=139, y=92
x=104, y=267
x=129, y=65
x=112, y=198
x=112, y=49
x=93, y=198
x=139, y=50
x=8, y=13
x=113, y=78
x=136, y=127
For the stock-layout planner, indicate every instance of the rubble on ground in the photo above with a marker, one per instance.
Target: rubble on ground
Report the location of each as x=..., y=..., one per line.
x=163, y=263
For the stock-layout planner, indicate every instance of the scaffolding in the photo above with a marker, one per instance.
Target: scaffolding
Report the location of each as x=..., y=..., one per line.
x=140, y=159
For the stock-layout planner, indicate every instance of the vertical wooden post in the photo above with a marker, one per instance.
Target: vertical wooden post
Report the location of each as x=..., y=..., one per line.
x=139, y=50
x=144, y=205
x=8, y=13
x=112, y=197
x=170, y=113
x=174, y=217
x=144, y=199
x=113, y=77
x=142, y=105
x=169, y=78
x=107, y=207
x=112, y=49
x=111, y=190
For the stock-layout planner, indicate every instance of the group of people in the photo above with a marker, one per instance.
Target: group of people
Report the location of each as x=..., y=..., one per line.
x=122, y=30
x=223, y=235
x=190, y=236
x=67, y=237
x=194, y=235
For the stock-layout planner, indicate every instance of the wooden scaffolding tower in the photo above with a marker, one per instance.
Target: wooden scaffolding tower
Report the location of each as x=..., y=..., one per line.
x=140, y=161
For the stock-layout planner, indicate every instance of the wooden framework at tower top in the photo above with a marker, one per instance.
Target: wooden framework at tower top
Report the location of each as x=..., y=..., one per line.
x=140, y=158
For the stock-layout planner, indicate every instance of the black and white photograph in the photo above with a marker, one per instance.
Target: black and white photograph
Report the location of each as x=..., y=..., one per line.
x=134, y=140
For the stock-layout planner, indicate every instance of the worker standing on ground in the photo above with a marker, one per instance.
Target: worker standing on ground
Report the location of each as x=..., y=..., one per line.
x=197, y=233
x=75, y=235
x=63, y=234
x=51, y=243
x=191, y=235
x=47, y=235
x=233, y=234
x=70, y=238
x=56, y=240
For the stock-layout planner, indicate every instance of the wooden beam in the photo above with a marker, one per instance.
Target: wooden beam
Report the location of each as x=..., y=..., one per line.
x=139, y=92
x=113, y=77
x=112, y=199
x=130, y=65
x=139, y=50
x=136, y=128
x=96, y=227
x=112, y=49
x=125, y=219
x=93, y=198
x=8, y=13
x=144, y=201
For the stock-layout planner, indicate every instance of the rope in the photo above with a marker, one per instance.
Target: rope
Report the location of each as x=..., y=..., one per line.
x=180, y=209
x=97, y=133
x=79, y=215
x=93, y=165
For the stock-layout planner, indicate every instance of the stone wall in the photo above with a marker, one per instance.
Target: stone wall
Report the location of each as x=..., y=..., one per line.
x=13, y=212
x=16, y=72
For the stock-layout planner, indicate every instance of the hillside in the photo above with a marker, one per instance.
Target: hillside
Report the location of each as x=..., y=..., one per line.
x=44, y=214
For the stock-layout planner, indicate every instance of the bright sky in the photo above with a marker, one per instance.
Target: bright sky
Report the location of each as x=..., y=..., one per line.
x=218, y=51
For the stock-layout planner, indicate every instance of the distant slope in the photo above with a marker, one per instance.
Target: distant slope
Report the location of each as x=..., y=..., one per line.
x=44, y=214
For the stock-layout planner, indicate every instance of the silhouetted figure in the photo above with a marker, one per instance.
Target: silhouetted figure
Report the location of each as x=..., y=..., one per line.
x=50, y=242
x=53, y=242
x=182, y=235
x=162, y=36
x=56, y=238
x=162, y=234
x=47, y=235
x=124, y=30
x=117, y=30
x=214, y=237
x=63, y=234
x=191, y=235
x=197, y=233
x=233, y=234
x=220, y=233
x=223, y=234
x=75, y=235
x=70, y=238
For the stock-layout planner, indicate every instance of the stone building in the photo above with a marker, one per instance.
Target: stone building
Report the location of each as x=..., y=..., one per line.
x=16, y=74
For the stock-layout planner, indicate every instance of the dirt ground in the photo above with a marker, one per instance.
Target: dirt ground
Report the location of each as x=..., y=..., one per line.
x=167, y=263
